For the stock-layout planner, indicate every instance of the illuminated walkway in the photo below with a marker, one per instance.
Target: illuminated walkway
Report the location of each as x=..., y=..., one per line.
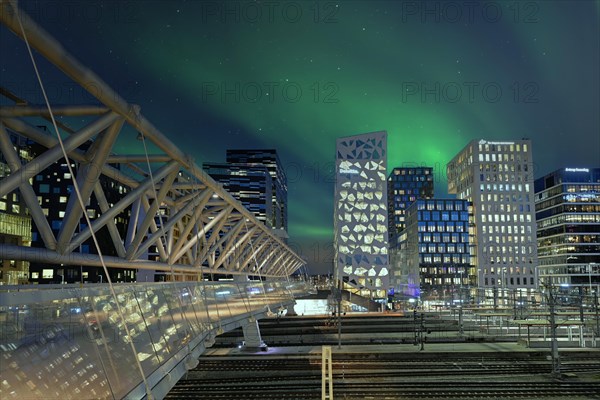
x=71, y=342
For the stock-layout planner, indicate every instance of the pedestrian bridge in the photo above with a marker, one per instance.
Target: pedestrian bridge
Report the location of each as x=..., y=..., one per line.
x=85, y=342
x=149, y=209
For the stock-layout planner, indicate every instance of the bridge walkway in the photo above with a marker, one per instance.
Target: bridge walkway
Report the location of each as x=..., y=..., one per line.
x=71, y=342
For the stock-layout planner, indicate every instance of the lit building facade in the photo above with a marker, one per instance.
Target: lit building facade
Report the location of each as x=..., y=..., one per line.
x=497, y=178
x=268, y=159
x=405, y=185
x=54, y=188
x=250, y=184
x=15, y=222
x=437, y=244
x=567, y=204
x=360, y=215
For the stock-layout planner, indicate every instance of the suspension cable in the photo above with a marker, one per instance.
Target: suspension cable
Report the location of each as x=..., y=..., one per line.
x=82, y=204
x=151, y=176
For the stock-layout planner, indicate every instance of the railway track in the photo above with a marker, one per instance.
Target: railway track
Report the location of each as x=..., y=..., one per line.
x=458, y=371
x=436, y=366
x=300, y=378
x=377, y=375
x=429, y=390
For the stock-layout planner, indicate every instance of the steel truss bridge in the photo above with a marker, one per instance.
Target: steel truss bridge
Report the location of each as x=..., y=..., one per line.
x=133, y=340
x=205, y=228
x=71, y=342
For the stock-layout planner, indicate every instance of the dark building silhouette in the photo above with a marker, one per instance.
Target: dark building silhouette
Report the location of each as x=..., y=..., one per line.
x=269, y=159
x=256, y=178
x=250, y=184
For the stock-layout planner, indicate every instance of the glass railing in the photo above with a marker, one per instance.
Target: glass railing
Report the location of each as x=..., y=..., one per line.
x=71, y=342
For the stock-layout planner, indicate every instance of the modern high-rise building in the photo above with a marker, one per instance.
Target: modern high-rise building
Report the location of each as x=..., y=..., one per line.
x=268, y=159
x=497, y=178
x=567, y=204
x=360, y=214
x=435, y=251
x=54, y=188
x=405, y=185
x=251, y=184
x=15, y=221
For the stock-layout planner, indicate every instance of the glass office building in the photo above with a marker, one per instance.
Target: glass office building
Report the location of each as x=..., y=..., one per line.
x=250, y=184
x=567, y=205
x=267, y=158
x=436, y=244
x=405, y=185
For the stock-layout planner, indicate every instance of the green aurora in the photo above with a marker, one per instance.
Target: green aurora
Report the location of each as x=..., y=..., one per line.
x=213, y=81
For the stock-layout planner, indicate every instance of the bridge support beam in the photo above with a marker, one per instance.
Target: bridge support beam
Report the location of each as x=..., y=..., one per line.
x=252, y=339
x=290, y=311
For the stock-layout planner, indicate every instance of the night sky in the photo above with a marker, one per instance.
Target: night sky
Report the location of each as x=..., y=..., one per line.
x=296, y=75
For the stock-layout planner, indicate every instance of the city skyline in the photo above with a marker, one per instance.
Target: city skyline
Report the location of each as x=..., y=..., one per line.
x=361, y=67
x=132, y=258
